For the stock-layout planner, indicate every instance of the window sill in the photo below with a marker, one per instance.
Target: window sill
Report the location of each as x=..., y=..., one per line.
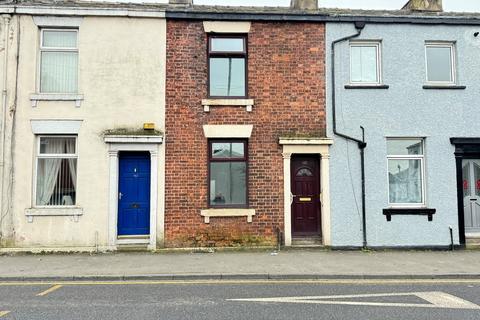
x=410, y=212
x=366, y=86
x=35, y=97
x=443, y=87
x=209, y=213
x=74, y=212
x=248, y=103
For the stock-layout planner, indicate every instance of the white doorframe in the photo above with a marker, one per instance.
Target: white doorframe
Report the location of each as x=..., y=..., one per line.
x=134, y=143
x=318, y=146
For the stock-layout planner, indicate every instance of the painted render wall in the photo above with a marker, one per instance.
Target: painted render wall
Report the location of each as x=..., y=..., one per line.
x=404, y=110
x=122, y=77
x=8, y=40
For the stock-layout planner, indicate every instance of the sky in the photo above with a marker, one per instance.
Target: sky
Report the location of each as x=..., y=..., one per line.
x=448, y=5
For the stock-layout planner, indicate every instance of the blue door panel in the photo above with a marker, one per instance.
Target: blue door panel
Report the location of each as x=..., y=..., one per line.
x=134, y=194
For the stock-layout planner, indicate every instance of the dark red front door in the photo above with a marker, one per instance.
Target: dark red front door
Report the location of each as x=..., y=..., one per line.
x=306, y=195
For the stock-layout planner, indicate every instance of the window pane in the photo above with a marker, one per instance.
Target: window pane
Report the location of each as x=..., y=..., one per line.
x=227, y=150
x=57, y=145
x=364, y=64
x=304, y=172
x=227, y=45
x=400, y=147
x=476, y=172
x=405, y=181
x=238, y=150
x=228, y=183
x=439, y=64
x=227, y=77
x=58, y=72
x=59, y=39
x=56, y=182
x=466, y=178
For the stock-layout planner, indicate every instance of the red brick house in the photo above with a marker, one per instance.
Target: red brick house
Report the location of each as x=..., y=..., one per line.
x=246, y=152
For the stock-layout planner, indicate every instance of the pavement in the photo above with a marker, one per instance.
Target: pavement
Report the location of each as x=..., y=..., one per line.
x=289, y=264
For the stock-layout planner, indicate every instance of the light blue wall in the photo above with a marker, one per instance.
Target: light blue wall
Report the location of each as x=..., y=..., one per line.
x=404, y=110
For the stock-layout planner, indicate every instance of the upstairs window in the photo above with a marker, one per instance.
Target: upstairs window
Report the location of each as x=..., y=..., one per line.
x=406, y=172
x=227, y=66
x=58, y=61
x=440, y=60
x=228, y=173
x=56, y=171
x=365, y=62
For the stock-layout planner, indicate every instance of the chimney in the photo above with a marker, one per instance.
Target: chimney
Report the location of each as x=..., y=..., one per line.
x=304, y=4
x=186, y=3
x=424, y=5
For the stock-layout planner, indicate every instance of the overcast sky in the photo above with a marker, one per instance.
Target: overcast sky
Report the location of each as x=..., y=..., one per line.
x=448, y=5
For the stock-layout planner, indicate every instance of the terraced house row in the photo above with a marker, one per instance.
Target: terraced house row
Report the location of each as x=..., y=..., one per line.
x=177, y=125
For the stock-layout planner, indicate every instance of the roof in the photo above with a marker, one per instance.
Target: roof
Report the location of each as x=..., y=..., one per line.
x=198, y=12
x=82, y=4
x=320, y=15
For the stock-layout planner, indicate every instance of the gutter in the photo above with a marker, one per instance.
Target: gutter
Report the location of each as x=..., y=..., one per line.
x=361, y=143
x=85, y=11
x=319, y=17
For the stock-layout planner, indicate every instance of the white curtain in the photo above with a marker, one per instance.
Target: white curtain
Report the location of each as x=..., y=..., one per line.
x=47, y=171
x=72, y=163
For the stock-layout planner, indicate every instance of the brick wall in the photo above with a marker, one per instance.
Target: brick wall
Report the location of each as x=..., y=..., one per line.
x=286, y=63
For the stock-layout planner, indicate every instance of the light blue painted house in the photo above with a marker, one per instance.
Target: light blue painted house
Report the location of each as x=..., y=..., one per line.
x=411, y=84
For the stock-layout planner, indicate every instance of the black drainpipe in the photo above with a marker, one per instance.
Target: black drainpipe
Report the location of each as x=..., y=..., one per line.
x=359, y=25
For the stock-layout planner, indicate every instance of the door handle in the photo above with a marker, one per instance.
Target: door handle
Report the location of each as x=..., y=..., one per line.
x=120, y=195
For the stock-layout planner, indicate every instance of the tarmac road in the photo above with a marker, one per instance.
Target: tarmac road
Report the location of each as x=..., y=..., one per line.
x=243, y=299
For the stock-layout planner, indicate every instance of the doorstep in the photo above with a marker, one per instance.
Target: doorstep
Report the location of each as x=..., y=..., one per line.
x=307, y=242
x=134, y=239
x=472, y=242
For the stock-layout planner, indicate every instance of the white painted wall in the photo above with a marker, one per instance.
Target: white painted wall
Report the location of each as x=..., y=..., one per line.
x=122, y=78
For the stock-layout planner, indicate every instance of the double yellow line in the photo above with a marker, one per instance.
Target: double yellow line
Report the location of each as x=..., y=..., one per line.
x=58, y=284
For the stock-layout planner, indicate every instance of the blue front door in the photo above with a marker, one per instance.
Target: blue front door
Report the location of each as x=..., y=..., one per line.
x=134, y=194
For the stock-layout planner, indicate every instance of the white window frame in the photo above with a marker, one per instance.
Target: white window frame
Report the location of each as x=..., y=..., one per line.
x=453, y=58
x=55, y=49
x=422, y=168
x=367, y=43
x=39, y=155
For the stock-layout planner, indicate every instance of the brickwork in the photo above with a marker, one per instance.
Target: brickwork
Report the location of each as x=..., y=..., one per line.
x=286, y=78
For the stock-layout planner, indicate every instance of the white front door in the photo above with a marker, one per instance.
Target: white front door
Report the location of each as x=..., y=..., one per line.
x=471, y=194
